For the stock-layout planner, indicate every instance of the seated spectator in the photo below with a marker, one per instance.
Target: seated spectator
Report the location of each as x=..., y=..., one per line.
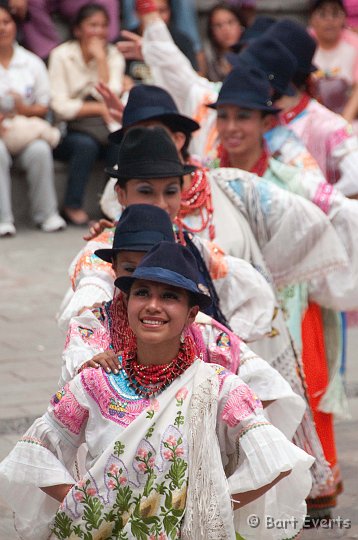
x=75, y=67
x=24, y=98
x=39, y=30
x=225, y=26
x=336, y=58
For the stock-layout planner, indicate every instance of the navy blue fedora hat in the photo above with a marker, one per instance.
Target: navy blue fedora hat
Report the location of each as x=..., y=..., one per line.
x=148, y=152
x=140, y=227
x=298, y=41
x=171, y=264
x=256, y=30
x=272, y=57
x=148, y=102
x=248, y=88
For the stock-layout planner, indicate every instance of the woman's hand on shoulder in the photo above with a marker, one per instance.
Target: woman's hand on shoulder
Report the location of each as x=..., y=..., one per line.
x=97, y=228
x=108, y=360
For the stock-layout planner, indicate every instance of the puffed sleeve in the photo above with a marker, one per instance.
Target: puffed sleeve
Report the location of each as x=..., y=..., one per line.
x=246, y=297
x=87, y=336
x=254, y=454
x=43, y=457
x=92, y=279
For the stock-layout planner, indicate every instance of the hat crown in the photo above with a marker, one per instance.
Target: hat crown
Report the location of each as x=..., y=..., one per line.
x=146, y=144
x=173, y=257
x=298, y=41
x=142, y=219
x=271, y=56
x=246, y=87
x=145, y=101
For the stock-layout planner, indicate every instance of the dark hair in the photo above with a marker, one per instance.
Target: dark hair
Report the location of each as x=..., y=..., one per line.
x=303, y=82
x=219, y=7
x=87, y=11
x=4, y=4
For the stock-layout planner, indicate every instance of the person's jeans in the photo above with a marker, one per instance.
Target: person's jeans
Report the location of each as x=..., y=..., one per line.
x=81, y=151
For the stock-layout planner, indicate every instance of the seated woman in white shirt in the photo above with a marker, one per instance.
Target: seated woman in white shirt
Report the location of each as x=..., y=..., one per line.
x=24, y=91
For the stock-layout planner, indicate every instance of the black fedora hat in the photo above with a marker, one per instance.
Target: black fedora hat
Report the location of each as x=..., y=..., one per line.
x=256, y=30
x=248, y=88
x=148, y=152
x=171, y=264
x=298, y=41
x=148, y=102
x=140, y=227
x=272, y=57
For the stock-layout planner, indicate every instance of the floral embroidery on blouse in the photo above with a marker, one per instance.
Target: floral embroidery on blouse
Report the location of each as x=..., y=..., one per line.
x=241, y=403
x=68, y=411
x=146, y=493
x=98, y=337
x=116, y=399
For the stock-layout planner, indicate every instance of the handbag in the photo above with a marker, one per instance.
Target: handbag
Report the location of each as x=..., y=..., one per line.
x=94, y=126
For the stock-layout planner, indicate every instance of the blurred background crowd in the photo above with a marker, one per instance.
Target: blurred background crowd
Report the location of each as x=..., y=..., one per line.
x=53, y=53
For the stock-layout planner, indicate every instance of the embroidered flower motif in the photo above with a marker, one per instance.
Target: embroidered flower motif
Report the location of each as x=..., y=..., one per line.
x=153, y=408
x=114, y=469
x=168, y=454
x=69, y=412
x=91, y=492
x=79, y=496
x=241, y=403
x=111, y=484
x=181, y=394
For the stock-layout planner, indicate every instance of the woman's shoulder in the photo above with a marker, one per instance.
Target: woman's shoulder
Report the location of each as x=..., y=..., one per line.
x=66, y=49
x=28, y=57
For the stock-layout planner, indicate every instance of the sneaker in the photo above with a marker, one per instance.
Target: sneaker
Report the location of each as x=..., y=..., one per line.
x=7, y=229
x=53, y=223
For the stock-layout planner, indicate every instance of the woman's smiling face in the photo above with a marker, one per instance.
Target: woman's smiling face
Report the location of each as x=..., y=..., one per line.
x=158, y=312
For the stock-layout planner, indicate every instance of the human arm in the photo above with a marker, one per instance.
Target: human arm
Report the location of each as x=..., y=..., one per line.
x=18, y=8
x=258, y=458
x=44, y=457
x=246, y=298
x=92, y=279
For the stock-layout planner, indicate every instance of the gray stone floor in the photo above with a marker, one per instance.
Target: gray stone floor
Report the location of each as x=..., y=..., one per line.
x=33, y=280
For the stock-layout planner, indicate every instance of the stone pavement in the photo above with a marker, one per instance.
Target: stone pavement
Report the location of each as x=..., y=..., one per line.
x=33, y=281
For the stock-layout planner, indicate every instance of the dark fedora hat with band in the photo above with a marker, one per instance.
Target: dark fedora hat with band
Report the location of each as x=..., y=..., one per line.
x=171, y=264
x=148, y=153
x=273, y=58
x=298, y=41
x=140, y=227
x=148, y=102
x=247, y=88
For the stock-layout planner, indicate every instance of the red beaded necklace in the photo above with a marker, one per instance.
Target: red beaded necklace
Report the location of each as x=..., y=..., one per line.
x=122, y=336
x=259, y=168
x=197, y=197
x=149, y=380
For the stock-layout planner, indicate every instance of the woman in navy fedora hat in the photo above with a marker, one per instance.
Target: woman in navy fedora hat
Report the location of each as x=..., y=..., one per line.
x=160, y=434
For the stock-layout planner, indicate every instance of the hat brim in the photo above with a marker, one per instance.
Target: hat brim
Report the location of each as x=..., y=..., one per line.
x=167, y=277
x=108, y=254
x=151, y=170
x=245, y=105
x=175, y=122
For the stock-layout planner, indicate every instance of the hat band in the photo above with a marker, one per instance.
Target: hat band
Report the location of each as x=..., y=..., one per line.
x=156, y=273
x=140, y=238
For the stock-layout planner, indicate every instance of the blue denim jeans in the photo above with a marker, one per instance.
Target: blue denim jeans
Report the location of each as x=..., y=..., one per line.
x=81, y=151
